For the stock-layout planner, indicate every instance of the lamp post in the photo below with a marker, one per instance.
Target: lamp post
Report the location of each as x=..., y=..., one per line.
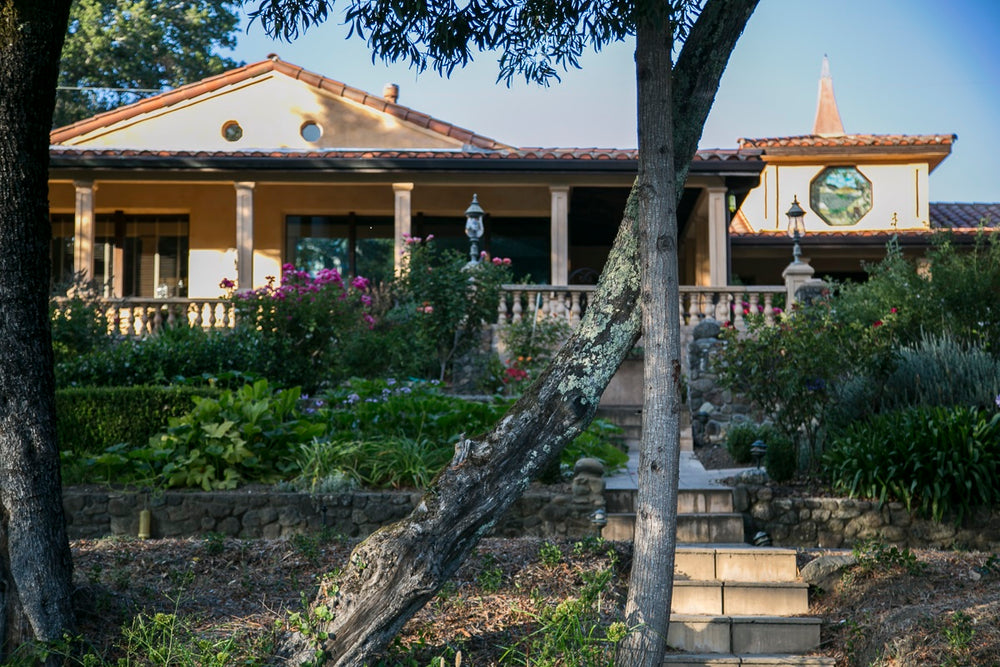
x=796, y=228
x=474, y=228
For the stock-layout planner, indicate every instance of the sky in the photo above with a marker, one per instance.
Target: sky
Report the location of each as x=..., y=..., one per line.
x=898, y=67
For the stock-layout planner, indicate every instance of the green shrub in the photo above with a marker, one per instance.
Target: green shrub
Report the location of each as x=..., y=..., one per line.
x=443, y=301
x=740, y=437
x=936, y=460
x=178, y=354
x=302, y=325
x=90, y=419
x=78, y=323
x=793, y=370
x=939, y=370
x=782, y=458
x=957, y=294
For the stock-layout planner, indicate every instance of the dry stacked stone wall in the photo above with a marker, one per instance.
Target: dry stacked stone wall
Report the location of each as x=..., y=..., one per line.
x=844, y=522
x=266, y=513
x=713, y=409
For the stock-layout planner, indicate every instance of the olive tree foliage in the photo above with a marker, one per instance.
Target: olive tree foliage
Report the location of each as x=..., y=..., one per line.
x=397, y=569
x=116, y=48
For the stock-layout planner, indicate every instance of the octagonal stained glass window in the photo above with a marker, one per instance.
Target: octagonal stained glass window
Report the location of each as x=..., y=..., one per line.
x=841, y=196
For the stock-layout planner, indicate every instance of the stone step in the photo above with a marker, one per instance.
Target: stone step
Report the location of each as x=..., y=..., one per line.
x=691, y=528
x=735, y=563
x=743, y=634
x=739, y=598
x=760, y=660
x=689, y=501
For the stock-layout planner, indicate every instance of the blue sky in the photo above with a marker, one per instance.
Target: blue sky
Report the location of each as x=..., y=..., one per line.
x=898, y=66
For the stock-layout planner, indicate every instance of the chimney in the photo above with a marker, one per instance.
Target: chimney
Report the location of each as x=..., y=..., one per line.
x=390, y=92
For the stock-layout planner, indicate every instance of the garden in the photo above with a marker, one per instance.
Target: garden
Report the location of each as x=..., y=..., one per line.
x=326, y=384
x=884, y=390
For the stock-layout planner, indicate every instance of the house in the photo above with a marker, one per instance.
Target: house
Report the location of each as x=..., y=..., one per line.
x=858, y=192
x=235, y=175
x=239, y=173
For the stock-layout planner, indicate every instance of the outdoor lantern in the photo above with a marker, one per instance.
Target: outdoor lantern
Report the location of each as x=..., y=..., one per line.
x=796, y=227
x=474, y=227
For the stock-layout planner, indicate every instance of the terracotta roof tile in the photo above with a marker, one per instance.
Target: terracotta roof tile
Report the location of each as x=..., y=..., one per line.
x=850, y=140
x=568, y=154
x=240, y=74
x=945, y=215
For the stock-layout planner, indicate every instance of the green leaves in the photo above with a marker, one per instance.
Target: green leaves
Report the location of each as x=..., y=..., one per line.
x=939, y=462
x=149, y=44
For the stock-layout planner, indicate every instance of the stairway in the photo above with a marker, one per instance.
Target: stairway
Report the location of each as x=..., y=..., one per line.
x=733, y=604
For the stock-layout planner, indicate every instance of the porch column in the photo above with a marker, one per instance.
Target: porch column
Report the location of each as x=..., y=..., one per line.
x=403, y=200
x=718, y=256
x=83, y=230
x=559, y=226
x=244, y=234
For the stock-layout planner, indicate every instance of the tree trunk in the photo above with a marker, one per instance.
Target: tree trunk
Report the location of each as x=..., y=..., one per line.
x=35, y=563
x=393, y=573
x=647, y=609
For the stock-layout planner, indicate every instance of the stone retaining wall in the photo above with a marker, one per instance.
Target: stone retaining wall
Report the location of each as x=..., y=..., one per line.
x=264, y=513
x=843, y=522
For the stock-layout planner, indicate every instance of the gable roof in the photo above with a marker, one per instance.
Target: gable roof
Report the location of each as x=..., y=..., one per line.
x=273, y=64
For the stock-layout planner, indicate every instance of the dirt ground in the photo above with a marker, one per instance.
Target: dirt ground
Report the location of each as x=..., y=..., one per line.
x=926, y=608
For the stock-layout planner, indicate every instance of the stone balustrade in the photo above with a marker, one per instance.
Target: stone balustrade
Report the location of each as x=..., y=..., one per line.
x=135, y=316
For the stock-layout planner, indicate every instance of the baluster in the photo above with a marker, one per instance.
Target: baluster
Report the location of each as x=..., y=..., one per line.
x=739, y=323
x=142, y=321
x=721, y=307
x=768, y=310
x=197, y=314
x=211, y=315
x=754, y=306
x=517, y=309
x=680, y=305
x=574, y=310
x=502, y=308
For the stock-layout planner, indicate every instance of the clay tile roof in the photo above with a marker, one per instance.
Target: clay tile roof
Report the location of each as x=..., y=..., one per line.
x=946, y=215
x=850, y=140
x=274, y=64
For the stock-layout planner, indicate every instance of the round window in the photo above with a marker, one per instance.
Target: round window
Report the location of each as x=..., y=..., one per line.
x=311, y=131
x=231, y=131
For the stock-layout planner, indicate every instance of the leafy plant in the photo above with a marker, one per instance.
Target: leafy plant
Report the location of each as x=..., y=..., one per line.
x=243, y=435
x=873, y=556
x=549, y=554
x=490, y=575
x=938, y=461
x=78, y=323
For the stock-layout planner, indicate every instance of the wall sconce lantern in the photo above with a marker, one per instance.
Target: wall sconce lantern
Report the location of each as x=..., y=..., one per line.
x=796, y=228
x=474, y=227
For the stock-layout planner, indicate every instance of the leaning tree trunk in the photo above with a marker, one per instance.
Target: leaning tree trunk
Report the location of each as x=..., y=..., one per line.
x=394, y=572
x=647, y=609
x=35, y=564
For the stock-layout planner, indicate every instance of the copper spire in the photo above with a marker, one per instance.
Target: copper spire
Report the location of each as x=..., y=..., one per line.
x=827, y=117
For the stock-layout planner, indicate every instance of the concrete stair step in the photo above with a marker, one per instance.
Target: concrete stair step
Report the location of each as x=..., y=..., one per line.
x=772, y=660
x=691, y=528
x=689, y=501
x=742, y=598
x=736, y=562
x=743, y=634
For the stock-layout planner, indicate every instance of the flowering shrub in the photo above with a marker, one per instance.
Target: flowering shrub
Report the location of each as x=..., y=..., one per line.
x=793, y=371
x=443, y=300
x=304, y=322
